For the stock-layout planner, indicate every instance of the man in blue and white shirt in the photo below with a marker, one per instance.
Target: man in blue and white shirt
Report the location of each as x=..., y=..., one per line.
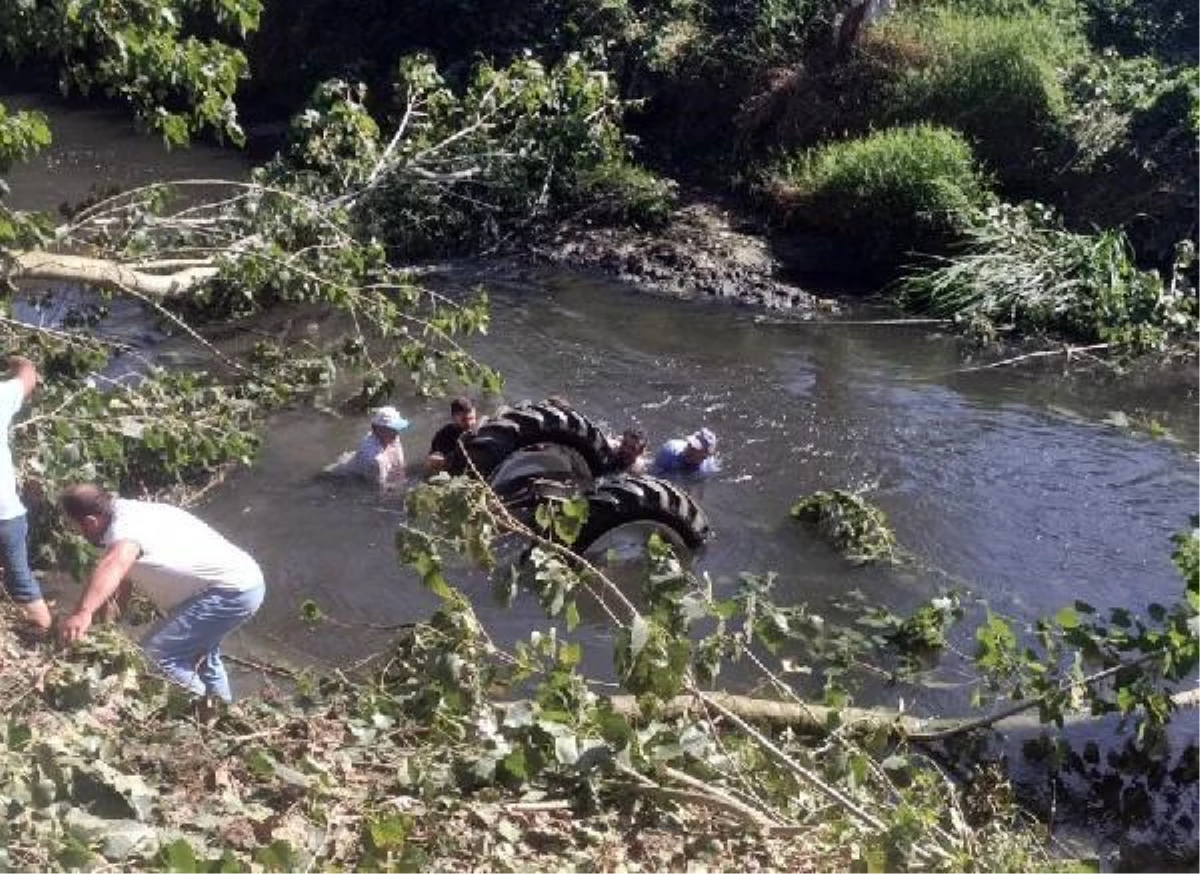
x=689, y=455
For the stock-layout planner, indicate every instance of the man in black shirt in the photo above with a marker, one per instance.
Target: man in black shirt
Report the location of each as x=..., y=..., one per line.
x=445, y=441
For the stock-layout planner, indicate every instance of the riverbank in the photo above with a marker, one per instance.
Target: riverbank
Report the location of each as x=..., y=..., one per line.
x=709, y=248
x=103, y=767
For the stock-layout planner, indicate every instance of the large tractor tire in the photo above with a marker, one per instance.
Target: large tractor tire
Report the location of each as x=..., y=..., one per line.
x=624, y=498
x=529, y=424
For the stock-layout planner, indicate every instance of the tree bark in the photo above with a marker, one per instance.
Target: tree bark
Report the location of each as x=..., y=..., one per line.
x=803, y=718
x=103, y=271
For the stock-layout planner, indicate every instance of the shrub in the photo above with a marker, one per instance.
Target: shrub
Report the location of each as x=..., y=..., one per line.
x=994, y=78
x=899, y=191
x=801, y=105
x=1134, y=156
x=619, y=192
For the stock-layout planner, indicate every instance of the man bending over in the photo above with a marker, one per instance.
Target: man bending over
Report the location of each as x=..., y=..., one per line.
x=206, y=585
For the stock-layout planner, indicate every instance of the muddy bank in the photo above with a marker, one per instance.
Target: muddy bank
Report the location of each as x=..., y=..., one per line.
x=709, y=249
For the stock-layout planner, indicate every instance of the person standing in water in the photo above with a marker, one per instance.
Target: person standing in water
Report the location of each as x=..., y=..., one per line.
x=444, y=446
x=380, y=456
x=629, y=451
x=694, y=454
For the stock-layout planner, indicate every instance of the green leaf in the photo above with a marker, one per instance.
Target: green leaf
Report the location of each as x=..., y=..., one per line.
x=279, y=856
x=436, y=583
x=566, y=749
x=571, y=614
x=259, y=763
x=514, y=766
x=639, y=636
x=1067, y=618
x=310, y=612
x=569, y=654
x=179, y=856
x=387, y=832
x=19, y=735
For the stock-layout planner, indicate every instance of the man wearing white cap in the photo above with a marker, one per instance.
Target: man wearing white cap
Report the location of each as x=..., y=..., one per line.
x=692, y=454
x=379, y=457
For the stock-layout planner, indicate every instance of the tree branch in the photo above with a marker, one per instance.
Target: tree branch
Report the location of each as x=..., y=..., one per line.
x=100, y=271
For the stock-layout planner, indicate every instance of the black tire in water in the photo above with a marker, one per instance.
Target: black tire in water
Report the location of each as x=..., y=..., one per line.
x=528, y=424
x=622, y=498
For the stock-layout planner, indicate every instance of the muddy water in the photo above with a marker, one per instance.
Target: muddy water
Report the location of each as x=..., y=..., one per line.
x=1023, y=484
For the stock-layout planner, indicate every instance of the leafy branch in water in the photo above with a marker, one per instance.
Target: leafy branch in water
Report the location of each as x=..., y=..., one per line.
x=853, y=526
x=680, y=631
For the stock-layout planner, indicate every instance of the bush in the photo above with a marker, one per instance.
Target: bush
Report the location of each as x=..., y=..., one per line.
x=618, y=192
x=766, y=32
x=802, y=105
x=459, y=169
x=890, y=194
x=1135, y=159
x=994, y=78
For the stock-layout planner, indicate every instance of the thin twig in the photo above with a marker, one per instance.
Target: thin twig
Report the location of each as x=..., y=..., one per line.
x=1022, y=706
x=1068, y=351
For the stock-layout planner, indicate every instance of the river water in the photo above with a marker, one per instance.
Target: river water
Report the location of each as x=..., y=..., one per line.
x=1025, y=484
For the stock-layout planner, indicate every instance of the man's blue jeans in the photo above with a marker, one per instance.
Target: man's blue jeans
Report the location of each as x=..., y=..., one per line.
x=187, y=647
x=14, y=554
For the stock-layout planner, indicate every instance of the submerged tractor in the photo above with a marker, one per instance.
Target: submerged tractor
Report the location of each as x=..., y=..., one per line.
x=535, y=453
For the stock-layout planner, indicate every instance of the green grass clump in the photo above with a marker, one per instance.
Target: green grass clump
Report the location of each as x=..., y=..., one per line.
x=892, y=193
x=995, y=78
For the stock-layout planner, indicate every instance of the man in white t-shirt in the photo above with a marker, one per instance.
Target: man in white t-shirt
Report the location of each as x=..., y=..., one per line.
x=380, y=456
x=206, y=585
x=14, y=525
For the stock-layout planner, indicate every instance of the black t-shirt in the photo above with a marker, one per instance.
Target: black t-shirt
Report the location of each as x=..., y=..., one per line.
x=445, y=441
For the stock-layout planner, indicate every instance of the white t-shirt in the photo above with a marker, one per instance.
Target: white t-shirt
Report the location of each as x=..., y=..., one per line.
x=372, y=461
x=12, y=395
x=181, y=556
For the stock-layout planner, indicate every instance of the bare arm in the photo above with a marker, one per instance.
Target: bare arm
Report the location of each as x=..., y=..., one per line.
x=104, y=582
x=22, y=368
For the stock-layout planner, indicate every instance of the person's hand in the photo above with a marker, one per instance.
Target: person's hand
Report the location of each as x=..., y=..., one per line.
x=74, y=627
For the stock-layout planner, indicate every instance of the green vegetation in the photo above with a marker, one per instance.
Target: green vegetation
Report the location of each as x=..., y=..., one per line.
x=887, y=196
x=849, y=523
x=1164, y=29
x=1022, y=269
x=453, y=171
x=176, y=64
x=996, y=79
x=456, y=754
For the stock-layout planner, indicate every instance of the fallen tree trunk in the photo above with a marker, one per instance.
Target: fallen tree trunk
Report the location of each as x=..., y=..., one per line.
x=106, y=272
x=812, y=719
x=803, y=718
